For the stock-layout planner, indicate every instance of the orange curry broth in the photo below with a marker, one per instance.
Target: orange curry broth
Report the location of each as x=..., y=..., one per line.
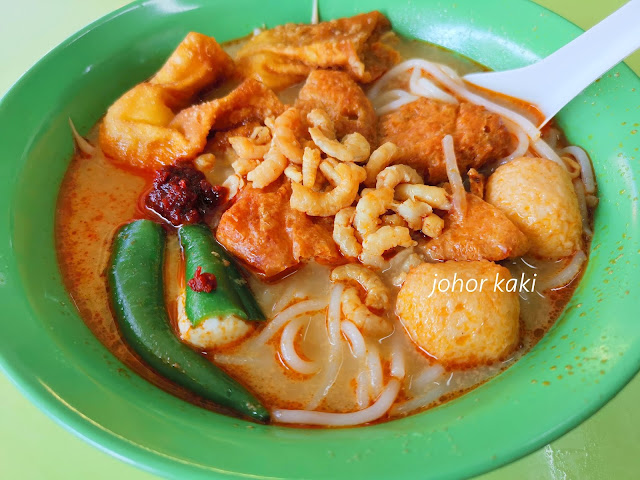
x=97, y=196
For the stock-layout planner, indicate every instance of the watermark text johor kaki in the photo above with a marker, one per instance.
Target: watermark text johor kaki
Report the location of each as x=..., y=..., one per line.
x=471, y=285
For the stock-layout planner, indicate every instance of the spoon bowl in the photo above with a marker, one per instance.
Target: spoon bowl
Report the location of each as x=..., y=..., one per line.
x=554, y=81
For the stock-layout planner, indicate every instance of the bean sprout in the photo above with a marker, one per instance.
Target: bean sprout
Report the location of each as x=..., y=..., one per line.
x=459, y=193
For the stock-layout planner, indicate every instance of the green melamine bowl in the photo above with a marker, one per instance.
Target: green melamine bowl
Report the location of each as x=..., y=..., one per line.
x=588, y=356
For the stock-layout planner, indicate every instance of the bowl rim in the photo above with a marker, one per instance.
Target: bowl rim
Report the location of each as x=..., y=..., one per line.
x=129, y=452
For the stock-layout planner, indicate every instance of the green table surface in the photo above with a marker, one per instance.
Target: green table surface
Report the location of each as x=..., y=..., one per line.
x=33, y=447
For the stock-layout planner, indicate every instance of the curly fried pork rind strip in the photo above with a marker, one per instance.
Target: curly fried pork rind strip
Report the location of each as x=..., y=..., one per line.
x=286, y=54
x=324, y=204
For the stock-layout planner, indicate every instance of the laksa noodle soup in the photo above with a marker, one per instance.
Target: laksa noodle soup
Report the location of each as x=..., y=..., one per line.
x=321, y=225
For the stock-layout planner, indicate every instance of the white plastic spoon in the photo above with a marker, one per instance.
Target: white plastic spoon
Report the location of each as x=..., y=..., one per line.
x=554, y=81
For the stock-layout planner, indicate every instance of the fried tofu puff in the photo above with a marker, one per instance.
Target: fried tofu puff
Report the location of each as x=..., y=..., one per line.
x=461, y=326
x=418, y=128
x=538, y=197
x=485, y=233
x=196, y=63
x=263, y=231
x=342, y=99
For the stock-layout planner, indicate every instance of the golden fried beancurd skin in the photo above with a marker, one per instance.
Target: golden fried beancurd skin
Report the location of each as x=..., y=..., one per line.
x=141, y=131
x=461, y=326
x=152, y=125
x=285, y=55
x=199, y=61
x=537, y=195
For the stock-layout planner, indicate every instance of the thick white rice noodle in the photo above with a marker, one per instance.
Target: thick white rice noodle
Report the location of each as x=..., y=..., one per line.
x=578, y=186
x=455, y=180
x=573, y=167
x=288, y=348
x=356, y=340
x=334, y=362
x=427, y=390
x=359, y=350
x=546, y=151
x=552, y=137
x=285, y=316
x=420, y=401
x=397, y=368
x=521, y=147
x=568, y=273
x=374, y=412
x=374, y=365
x=586, y=170
x=427, y=376
x=419, y=85
x=392, y=100
x=287, y=297
x=362, y=389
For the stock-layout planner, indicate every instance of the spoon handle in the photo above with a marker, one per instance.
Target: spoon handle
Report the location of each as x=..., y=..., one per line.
x=554, y=81
x=576, y=65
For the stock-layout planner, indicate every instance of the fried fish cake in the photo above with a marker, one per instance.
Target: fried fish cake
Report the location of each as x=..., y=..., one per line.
x=485, y=233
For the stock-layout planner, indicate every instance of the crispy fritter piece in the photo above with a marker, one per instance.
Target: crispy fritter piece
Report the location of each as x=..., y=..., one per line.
x=263, y=231
x=284, y=55
x=198, y=62
x=344, y=101
x=417, y=128
x=141, y=130
x=485, y=234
